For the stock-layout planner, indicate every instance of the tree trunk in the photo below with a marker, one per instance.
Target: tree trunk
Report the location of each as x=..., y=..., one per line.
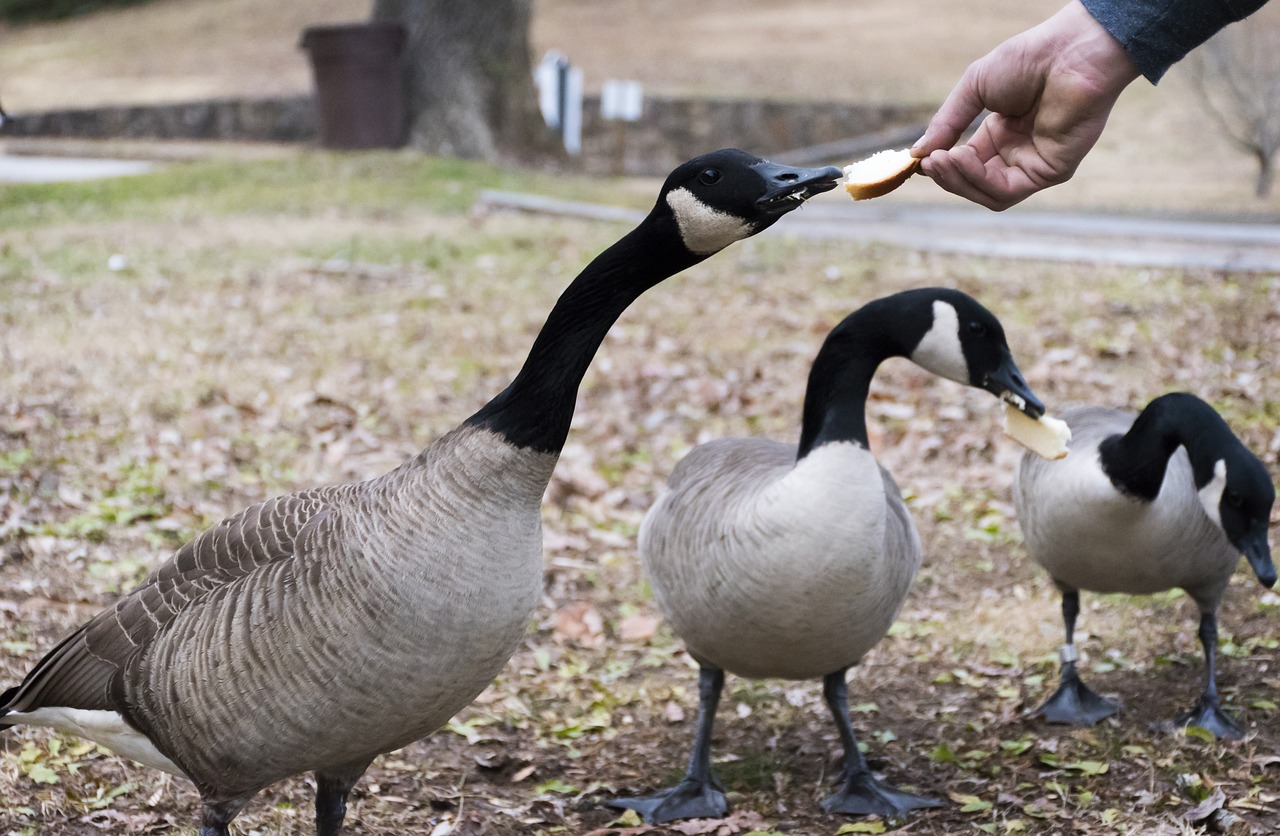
x=469, y=79
x=1266, y=173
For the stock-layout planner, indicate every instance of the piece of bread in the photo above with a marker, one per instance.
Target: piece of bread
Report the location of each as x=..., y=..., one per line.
x=1046, y=436
x=879, y=174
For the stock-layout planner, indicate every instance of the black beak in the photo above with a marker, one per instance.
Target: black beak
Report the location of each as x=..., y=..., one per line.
x=1008, y=384
x=788, y=186
x=1258, y=553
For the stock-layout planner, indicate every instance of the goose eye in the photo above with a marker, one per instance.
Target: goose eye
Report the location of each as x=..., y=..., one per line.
x=1234, y=499
x=709, y=176
x=977, y=328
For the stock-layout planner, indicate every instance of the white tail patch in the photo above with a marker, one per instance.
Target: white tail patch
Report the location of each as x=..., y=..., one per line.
x=703, y=229
x=940, y=351
x=106, y=728
x=1211, y=494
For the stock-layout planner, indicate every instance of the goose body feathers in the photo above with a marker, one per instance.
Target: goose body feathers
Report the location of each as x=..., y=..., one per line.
x=220, y=655
x=1088, y=534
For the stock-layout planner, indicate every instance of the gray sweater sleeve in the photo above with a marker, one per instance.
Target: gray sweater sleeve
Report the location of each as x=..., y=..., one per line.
x=1158, y=33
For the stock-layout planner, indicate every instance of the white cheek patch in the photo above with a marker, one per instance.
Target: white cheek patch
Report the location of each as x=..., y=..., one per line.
x=1211, y=494
x=705, y=230
x=940, y=351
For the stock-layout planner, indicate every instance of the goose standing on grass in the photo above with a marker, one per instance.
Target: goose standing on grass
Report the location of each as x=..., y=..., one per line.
x=316, y=631
x=1167, y=499
x=773, y=561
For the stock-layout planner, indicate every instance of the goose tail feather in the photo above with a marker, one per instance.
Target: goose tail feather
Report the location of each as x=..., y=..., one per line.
x=5, y=699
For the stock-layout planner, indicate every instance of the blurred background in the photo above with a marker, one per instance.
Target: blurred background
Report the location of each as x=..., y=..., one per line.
x=881, y=65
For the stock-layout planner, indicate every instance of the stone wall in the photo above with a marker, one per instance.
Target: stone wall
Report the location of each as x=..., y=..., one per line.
x=670, y=130
x=249, y=120
x=673, y=130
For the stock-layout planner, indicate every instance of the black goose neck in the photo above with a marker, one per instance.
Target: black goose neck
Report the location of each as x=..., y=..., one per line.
x=535, y=410
x=835, y=402
x=1136, y=461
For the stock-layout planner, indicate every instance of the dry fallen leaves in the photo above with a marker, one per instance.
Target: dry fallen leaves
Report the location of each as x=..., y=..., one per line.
x=638, y=627
x=103, y=472
x=578, y=622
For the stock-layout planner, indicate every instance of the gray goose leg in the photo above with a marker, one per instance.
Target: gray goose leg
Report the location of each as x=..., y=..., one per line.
x=217, y=815
x=1208, y=714
x=332, y=788
x=698, y=795
x=1073, y=703
x=861, y=794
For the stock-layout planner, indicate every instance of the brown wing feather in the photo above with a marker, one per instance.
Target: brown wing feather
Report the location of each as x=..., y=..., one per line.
x=79, y=671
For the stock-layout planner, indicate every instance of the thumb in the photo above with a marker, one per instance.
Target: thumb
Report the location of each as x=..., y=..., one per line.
x=953, y=118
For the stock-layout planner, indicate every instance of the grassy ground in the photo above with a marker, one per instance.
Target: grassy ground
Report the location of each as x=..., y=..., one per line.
x=277, y=324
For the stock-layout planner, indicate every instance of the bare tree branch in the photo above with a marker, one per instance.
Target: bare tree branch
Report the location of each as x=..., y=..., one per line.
x=1236, y=75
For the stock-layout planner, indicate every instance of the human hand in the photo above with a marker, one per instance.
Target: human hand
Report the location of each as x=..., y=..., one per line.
x=1049, y=90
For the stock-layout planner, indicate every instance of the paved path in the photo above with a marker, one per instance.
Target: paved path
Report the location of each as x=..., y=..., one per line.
x=25, y=169
x=1017, y=233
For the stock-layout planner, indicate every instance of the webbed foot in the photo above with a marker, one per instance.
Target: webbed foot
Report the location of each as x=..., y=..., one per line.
x=689, y=799
x=863, y=795
x=1208, y=715
x=1074, y=704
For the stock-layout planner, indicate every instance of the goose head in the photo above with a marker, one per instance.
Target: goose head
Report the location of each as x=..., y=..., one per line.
x=957, y=338
x=727, y=195
x=1237, y=494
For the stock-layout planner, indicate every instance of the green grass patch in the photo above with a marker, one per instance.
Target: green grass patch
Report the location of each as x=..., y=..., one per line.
x=378, y=184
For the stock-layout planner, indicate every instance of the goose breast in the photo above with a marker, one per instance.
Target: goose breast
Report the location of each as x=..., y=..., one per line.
x=766, y=566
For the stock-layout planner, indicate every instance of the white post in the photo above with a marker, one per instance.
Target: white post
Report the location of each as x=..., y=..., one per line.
x=559, y=86
x=571, y=115
x=621, y=102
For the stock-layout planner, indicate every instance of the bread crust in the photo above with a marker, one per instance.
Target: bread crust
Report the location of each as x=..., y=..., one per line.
x=879, y=174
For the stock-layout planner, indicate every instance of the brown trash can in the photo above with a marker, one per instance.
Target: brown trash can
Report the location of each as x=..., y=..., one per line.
x=359, y=85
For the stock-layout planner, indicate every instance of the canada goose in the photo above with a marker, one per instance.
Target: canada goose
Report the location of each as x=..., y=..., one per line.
x=770, y=560
x=318, y=630
x=1167, y=499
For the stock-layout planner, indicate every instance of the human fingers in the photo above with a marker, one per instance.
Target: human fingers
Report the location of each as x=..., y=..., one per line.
x=989, y=182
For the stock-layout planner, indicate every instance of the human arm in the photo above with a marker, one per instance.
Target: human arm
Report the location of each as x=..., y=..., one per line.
x=1159, y=33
